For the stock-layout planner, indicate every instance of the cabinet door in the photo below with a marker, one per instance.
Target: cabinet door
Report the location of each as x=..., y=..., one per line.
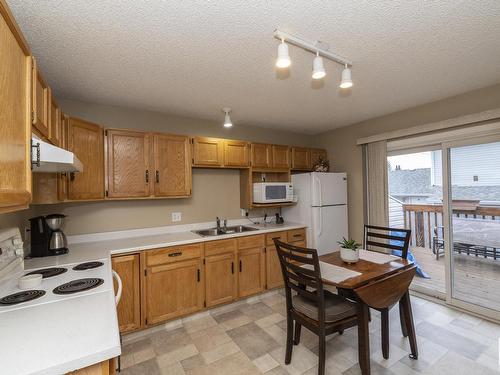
x=86, y=141
x=54, y=121
x=220, y=281
x=40, y=103
x=261, y=155
x=301, y=158
x=173, y=290
x=281, y=156
x=62, y=182
x=274, y=275
x=316, y=154
x=172, y=164
x=129, y=307
x=251, y=267
x=208, y=151
x=15, y=121
x=236, y=154
x=128, y=157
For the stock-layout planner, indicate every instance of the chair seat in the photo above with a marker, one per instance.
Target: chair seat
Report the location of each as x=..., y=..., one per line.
x=336, y=307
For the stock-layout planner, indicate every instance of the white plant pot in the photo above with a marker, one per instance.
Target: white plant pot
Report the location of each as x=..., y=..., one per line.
x=349, y=255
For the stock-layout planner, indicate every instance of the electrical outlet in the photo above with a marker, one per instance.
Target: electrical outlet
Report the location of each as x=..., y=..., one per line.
x=176, y=216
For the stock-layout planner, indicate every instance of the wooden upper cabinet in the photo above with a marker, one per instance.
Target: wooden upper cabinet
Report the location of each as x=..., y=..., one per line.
x=172, y=166
x=208, y=152
x=316, y=154
x=55, y=131
x=85, y=140
x=281, y=156
x=40, y=103
x=127, y=160
x=15, y=116
x=62, y=183
x=261, y=155
x=236, y=153
x=301, y=158
x=129, y=307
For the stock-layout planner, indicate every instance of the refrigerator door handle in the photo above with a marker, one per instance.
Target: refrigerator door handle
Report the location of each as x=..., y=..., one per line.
x=318, y=184
x=320, y=222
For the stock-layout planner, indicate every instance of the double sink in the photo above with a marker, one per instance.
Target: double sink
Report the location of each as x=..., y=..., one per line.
x=224, y=230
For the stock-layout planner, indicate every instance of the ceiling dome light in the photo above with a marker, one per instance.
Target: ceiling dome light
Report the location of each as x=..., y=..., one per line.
x=346, y=78
x=227, y=119
x=283, y=60
x=318, y=67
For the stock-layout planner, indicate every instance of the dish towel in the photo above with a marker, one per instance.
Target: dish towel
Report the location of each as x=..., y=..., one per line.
x=333, y=273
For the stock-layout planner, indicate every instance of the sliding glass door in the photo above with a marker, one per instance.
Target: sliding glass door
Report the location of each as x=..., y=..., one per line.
x=471, y=210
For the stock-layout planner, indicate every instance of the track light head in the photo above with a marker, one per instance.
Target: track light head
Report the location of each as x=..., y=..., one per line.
x=318, y=67
x=346, y=81
x=283, y=60
x=227, y=119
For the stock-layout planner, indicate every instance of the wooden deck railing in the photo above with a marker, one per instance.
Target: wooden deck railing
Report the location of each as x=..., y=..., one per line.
x=422, y=218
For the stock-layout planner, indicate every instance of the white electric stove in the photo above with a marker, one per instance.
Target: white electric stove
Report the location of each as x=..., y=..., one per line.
x=59, y=282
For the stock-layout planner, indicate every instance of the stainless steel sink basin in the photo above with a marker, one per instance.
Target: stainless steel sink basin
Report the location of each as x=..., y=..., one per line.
x=228, y=230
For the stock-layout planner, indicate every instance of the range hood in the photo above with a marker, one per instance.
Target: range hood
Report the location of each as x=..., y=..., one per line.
x=49, y=158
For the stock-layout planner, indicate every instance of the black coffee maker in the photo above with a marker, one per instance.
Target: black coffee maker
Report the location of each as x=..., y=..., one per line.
x=46, y=236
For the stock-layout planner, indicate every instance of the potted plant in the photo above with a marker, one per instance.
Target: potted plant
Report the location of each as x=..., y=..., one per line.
x=349, y=252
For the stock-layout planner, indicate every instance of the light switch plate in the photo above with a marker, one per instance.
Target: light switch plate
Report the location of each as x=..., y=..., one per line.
x=176, y=216
x=243, y=212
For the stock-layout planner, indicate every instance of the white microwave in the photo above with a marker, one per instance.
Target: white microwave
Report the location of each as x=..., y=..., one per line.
x=272, y=192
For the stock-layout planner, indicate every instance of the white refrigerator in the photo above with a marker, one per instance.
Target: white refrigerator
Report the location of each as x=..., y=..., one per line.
x=322, y=206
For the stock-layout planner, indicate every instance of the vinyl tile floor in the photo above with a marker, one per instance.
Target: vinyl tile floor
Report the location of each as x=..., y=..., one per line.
x=248, y=337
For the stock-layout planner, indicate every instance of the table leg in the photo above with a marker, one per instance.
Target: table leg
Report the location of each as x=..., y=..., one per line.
x=410, y=326
x=363, y=339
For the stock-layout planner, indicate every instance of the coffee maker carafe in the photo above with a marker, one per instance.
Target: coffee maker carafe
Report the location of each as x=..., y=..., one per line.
x=47, y=237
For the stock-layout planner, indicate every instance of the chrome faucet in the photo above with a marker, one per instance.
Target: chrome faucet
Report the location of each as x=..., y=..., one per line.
x=225, y=225
x=217, y=220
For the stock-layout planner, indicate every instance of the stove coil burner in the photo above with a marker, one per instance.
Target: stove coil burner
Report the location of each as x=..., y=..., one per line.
x=87, y=266
x=25, y=296
x=79, y=285
x=48, y=272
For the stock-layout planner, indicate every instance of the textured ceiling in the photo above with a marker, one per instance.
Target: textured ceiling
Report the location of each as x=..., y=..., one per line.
x=194, y=57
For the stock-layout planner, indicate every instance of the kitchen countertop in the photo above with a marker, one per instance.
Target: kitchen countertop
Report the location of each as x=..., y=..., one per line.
x=78, y=332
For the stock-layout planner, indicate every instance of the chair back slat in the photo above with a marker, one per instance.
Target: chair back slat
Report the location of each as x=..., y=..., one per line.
x=385, y=238
x=386, y=292
x=305, y=281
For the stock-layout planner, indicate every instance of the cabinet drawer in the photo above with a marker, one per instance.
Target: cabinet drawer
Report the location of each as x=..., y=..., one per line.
x=250, y=241
x=279, y=235
x=220, y=247
x=296, y=235
x=173, y=254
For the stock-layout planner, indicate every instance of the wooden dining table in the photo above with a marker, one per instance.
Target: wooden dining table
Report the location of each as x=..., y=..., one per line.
x=369, y=273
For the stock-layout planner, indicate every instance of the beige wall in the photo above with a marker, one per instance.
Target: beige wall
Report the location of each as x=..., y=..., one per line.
x=347, y=157
x=215, y=192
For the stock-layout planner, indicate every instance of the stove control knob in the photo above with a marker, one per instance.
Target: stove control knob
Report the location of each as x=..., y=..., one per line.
x=19, y=252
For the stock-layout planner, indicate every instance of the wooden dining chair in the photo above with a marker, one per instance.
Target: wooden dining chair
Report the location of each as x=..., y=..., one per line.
x=389, y=240
x=320, y=311
x=384, y=294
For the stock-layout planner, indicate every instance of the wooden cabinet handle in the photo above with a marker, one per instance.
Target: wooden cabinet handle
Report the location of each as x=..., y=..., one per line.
x=297, y=235
x=241, y=266
x=198, y=275
x=157, y=177
x=147, y=175
x=179, y=253
x=72, y=176
x=232, y=267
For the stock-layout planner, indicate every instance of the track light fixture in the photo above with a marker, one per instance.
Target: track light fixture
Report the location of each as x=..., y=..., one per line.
x=319, y=72
x=346, y=81
x=283, y=60
x=318, y=67
x=227, y=119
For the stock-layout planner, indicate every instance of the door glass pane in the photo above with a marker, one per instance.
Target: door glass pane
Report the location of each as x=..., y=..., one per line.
x=415, y=203
x=475, y=224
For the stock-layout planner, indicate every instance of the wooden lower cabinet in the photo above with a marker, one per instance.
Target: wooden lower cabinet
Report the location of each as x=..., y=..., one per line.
x=129, y=308
x=274, y=276
x=174, y=289
x=101, y=368
x=220, y=279
x=251, y=271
